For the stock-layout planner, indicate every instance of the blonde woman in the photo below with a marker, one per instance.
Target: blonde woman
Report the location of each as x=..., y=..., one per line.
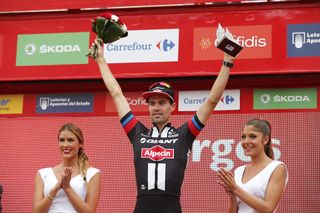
x=72, y=185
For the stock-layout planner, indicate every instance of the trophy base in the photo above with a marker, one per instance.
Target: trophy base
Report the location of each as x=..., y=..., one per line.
x=228, y=46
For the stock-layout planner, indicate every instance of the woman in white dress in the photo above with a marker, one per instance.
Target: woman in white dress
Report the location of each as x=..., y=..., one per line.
x=259, y=185
x=72, y=185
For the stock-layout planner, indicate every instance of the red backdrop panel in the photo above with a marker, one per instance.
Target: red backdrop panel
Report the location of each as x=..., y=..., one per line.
x=275, y=20
x=21, y=5
x=27, y=144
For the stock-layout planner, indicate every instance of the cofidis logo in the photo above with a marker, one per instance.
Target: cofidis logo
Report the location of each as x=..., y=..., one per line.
x=303, y=40
x=256, y=40
x=135, y=101
x=145, y=46
x=11, y=104
x=52, y=49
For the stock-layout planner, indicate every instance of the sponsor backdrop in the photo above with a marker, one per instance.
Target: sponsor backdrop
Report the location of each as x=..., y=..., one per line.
x=191, y=100
x=55, y=48
x=11, y=104
x=100, y=103
x=30, y=143
x=256, y=40
x=20, y=5
x=297, y=98
x=303, y=40
x=138, y=47
x=64, y=103
x=1, y=49
x=179, y=44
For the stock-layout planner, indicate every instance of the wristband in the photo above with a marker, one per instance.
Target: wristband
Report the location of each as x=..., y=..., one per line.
x=227, y=64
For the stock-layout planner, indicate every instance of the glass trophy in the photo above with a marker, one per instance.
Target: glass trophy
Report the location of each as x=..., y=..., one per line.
x=226, y=42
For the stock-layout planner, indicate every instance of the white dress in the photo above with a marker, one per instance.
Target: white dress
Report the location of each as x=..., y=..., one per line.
x=61, y=203
x=257, y=185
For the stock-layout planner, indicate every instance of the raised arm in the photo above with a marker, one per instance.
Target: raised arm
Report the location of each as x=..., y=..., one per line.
x=217, y=89
x=112, y=84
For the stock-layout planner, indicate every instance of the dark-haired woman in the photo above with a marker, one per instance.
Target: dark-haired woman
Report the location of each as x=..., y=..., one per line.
x=259, y=185
x=72, y=185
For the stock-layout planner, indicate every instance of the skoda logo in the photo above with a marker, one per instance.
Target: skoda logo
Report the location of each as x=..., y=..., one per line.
x=30, y=49
x=265, y=98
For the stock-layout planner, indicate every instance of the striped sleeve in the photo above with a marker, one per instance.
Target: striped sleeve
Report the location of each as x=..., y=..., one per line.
x=128, y=122
x=195, y=126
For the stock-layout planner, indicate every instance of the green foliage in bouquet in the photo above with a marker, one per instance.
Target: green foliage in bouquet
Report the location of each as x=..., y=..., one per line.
x=109, y=29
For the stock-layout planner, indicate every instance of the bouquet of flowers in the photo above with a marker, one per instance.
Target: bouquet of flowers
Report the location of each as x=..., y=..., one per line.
x=109, y=28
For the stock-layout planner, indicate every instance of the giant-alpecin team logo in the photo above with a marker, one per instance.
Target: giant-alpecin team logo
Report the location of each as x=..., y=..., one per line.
x=157, y=153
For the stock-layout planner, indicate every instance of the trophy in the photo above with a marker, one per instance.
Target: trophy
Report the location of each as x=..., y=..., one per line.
x=226, y=42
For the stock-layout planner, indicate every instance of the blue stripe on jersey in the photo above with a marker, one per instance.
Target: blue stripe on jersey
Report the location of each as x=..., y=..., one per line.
x=197, y=123
x=127, y=120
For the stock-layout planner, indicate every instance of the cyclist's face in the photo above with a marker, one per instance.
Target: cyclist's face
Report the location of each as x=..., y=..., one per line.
x=160, y=109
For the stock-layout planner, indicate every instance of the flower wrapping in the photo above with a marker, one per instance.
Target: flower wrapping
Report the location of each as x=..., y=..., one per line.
x=109, y=28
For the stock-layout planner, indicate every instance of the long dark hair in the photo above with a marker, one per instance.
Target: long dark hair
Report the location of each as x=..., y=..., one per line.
x=83, y=160
x=264, y=127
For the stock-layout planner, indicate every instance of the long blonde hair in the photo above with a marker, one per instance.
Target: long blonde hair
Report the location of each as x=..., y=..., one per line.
x=83, y=159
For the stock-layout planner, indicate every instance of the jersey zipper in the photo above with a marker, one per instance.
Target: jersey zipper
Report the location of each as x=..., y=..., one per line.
x=156, y=177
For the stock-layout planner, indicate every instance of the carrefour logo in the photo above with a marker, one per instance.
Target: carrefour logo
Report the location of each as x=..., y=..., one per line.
x=192, y=100
x=145, y=46
x=135, y=46
x=56, y=48
x=165, y=45
x=228, y=99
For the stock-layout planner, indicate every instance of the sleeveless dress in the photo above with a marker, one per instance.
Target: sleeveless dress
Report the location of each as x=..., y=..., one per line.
x=61, y=203
x=255, y=186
